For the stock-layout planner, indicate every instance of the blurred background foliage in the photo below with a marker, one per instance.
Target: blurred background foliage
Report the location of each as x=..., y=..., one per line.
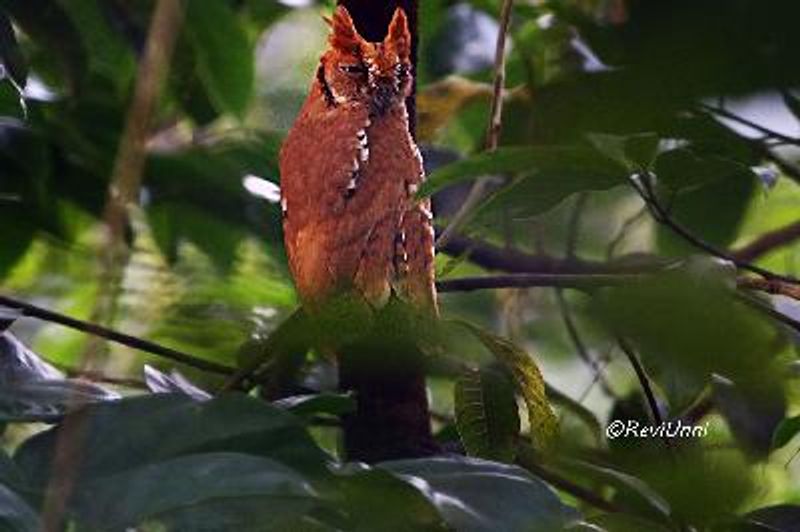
x=699, y=94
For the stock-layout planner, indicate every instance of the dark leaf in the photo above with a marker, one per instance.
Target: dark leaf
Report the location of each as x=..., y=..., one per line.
x=136, y=431
x=786, y=431
x=266, y=491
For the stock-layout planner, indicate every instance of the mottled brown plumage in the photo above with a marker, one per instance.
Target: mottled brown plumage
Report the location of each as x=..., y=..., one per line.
x=349, y=172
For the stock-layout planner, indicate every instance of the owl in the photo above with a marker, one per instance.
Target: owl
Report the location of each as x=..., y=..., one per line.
x=349, y=174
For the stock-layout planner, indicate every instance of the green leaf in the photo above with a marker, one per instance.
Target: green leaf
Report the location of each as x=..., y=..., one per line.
x=15, y=514
x=225, y=59
x=136, y=431
x=266, y=491
x=545, y=165
x=681, y=321
x=786, y=431
x=529, y=383
x=478, y=495
x=486, y=413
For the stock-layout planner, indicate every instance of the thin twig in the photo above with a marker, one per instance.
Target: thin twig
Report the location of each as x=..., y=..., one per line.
x=644, y=382
x=768, y=242
x=133, y=342
x=645, y=189
x=478, y=190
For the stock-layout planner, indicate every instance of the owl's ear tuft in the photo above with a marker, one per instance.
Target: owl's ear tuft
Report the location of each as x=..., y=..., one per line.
x=398, y=36
x=344, y=36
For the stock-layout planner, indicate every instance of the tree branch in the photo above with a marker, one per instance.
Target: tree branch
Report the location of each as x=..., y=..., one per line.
x=512, y=260
x=645, y=189
x=133, y=342
x=768, y=242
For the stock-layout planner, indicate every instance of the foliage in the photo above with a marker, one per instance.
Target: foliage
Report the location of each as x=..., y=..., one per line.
x=611, y=105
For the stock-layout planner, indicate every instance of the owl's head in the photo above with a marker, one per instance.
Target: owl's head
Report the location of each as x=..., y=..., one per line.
x=375, y=74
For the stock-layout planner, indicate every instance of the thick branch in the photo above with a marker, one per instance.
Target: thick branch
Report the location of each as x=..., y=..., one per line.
x=580, y=281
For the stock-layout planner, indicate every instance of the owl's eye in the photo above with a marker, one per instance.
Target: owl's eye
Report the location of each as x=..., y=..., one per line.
x=354, y=70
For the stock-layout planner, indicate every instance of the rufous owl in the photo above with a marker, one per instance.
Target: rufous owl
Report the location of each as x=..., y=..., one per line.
x=350, y=170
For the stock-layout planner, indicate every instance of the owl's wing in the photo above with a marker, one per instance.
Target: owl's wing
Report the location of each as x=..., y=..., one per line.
x=318, y=161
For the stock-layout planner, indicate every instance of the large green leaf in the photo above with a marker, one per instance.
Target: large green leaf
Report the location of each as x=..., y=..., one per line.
x=698, y=184
x=136, y=431
x=225, y=59
x=562, y=168
x=267, y=495
x=477, y=495
x=681, y=322
x=487, y=417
